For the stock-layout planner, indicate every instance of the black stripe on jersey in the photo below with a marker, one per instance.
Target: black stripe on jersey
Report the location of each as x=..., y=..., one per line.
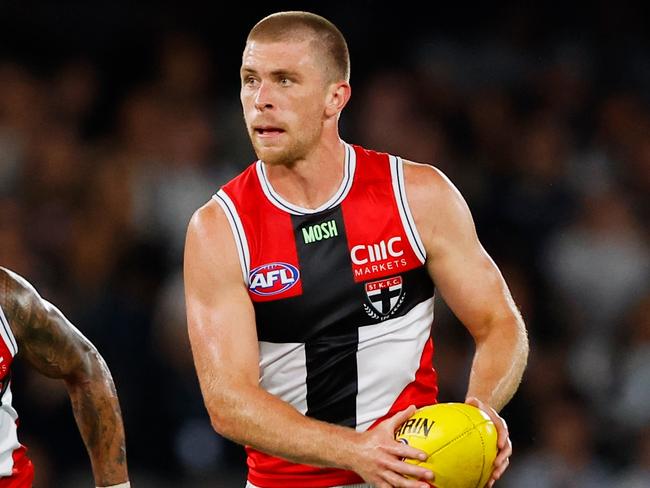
x=327, y=317
x=330, y=300
x=402, y=203
x=331, y=353
x=321, y=320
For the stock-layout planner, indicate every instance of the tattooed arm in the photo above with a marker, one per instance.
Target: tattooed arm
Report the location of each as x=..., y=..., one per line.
x=52, y=345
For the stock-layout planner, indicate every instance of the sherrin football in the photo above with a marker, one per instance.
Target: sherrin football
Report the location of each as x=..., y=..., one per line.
x=460, y=440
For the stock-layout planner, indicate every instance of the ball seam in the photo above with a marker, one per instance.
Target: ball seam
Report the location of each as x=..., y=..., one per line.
x=474, y=428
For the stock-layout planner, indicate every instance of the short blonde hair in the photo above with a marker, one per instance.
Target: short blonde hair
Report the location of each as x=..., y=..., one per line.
x=300, y=26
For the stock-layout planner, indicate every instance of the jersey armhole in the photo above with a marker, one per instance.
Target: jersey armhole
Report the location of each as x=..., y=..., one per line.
x=399, y=189
x=237, y=229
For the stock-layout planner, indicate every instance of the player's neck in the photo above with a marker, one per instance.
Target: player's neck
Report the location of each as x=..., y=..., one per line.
x=310, y=182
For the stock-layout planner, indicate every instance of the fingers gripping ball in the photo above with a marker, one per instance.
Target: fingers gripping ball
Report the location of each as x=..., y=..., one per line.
x=460, y=440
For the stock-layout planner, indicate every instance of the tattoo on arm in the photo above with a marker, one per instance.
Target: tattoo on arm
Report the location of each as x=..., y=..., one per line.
x=54, y=347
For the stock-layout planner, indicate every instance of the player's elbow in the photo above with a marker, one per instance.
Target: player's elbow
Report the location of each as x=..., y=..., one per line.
x=223, y=422
x=219, y=406
x=220, y=424
x=506, y=333
x=509, y=336
x=88, y=371
x=229, y=412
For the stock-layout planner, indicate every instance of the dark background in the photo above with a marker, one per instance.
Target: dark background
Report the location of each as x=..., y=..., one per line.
x=118, y=120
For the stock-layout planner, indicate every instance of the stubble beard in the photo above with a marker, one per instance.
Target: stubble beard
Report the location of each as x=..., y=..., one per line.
x=286, y=155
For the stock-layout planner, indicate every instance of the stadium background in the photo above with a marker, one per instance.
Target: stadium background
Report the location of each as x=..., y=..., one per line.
x=118, y=119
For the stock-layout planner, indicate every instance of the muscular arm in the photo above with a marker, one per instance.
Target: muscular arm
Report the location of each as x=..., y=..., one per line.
x=470, y=283
x=54, y=347
x=222, y=332
x=224, y=343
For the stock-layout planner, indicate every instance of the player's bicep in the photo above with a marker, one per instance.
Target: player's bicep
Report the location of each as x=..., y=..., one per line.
x=470, y=283
x=464, y=274
x=220, y=316
x=46, y=339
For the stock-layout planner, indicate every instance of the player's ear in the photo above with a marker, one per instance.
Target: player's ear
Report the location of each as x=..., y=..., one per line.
x=338, y=94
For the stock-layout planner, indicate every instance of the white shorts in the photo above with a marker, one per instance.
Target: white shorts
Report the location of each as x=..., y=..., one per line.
x=359, y=485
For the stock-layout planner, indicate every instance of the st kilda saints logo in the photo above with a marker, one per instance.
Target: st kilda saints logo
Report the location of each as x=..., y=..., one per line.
x=384, y=297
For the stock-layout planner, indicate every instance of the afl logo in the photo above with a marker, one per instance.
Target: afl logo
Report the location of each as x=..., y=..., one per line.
x=273, y=278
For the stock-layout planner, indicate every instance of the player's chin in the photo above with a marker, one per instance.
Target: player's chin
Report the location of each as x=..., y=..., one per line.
x=271, y=155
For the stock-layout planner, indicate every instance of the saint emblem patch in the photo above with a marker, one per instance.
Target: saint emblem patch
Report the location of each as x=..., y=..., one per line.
x=384, y=296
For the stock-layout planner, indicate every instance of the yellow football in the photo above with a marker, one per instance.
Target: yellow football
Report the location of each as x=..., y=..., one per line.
x=460, y=440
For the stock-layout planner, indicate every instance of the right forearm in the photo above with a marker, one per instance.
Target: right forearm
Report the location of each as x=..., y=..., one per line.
x=97, y=413
x=253, y=417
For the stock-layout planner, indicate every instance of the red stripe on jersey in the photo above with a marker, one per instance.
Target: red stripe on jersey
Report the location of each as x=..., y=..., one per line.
x=378, y=243
x=422, y=391
x=22, y=474
x=263, y=223
x=291, y=475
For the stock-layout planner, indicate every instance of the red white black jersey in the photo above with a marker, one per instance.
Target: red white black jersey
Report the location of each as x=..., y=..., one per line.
x=343, y=302
x=15, y=468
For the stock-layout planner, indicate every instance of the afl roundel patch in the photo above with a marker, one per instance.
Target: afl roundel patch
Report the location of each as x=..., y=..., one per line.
x=272, y=278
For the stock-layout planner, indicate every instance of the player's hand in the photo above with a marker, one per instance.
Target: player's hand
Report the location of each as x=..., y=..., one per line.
x=503, y=441
x=379, y=458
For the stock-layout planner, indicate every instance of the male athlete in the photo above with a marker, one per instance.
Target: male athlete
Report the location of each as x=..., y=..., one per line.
x=310, y=281
x=33, y=327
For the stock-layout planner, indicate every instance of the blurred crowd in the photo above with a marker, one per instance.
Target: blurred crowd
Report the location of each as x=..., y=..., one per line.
x=550, y=146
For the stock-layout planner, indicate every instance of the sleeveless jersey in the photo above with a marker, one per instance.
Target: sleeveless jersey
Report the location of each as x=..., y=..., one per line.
x=16, y=470
x=343, y=303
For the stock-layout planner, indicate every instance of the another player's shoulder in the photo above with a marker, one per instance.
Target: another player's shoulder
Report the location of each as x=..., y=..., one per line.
x=7, y=276
x=16, y=295
x=13, y=285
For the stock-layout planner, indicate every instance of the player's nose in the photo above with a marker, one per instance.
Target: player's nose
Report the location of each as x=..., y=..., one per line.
x=263, y=97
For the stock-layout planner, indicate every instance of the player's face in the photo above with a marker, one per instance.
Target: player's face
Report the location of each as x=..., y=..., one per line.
x=283, y=93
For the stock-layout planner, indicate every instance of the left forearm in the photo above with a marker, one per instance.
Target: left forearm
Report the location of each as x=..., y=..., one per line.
x=499, y=363
x=97, y=413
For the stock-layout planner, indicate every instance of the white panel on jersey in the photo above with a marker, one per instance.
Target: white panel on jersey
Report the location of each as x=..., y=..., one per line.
x=8, y=437
x=237, y=231
x=7, y=334
x=283, y=372
x=388, y=357
x=399, y=188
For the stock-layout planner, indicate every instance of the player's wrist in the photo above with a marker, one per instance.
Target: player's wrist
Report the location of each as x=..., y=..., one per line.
x=126, y=484
x=350, y=451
